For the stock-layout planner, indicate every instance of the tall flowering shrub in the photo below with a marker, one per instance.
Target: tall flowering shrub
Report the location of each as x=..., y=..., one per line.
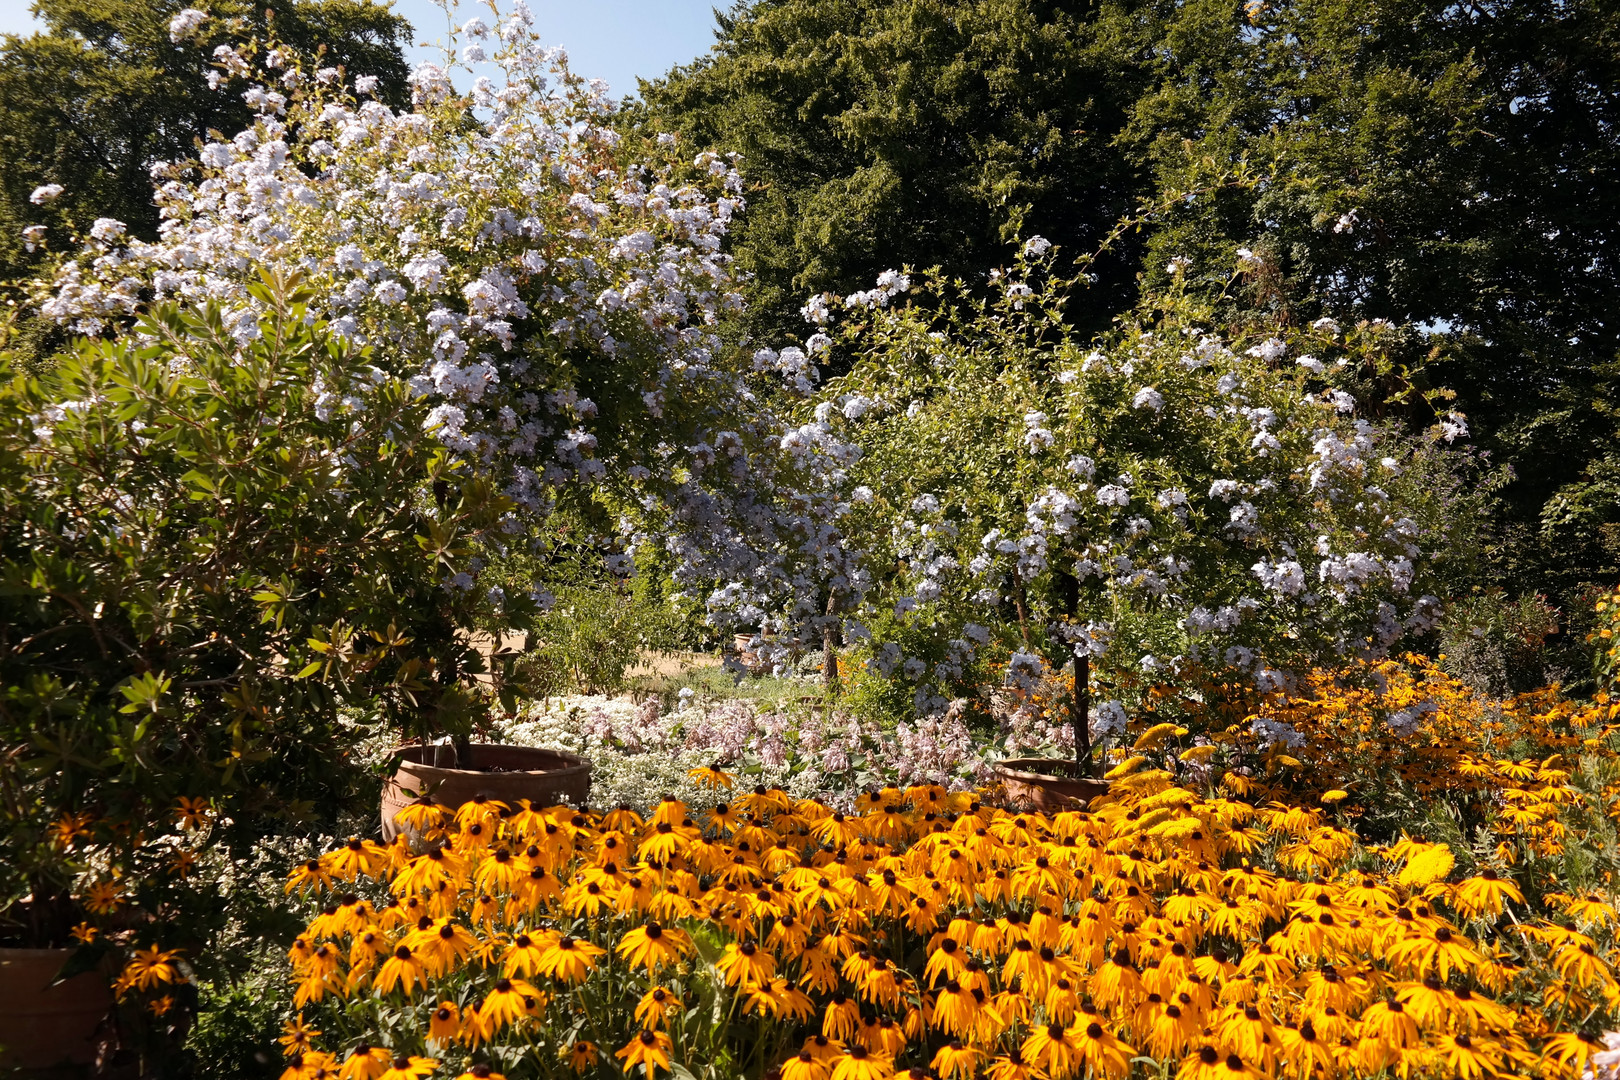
x=548, y=287
x=1174, y=503
x=198, y=571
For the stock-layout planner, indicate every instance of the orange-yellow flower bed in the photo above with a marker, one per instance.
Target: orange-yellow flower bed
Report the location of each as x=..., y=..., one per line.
x=1160, y=932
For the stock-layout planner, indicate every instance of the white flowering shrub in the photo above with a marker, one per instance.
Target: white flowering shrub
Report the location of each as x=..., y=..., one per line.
x=549, y=288
x=981, y=486
x=1171, y=505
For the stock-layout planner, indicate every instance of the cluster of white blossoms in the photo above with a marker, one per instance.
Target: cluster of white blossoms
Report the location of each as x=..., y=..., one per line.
x=552, y=289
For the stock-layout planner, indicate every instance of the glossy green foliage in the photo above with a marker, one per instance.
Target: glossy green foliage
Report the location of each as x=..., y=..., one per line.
x=207, y=548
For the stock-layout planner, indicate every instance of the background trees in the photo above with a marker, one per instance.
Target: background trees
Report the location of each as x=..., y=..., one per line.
x=930, y=132
x=1447, y=166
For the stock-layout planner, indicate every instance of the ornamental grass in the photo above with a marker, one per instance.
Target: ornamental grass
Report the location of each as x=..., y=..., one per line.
x=1219, y=934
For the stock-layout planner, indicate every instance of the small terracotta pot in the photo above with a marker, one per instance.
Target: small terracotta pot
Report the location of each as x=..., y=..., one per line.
x=544, y=777
x=1036, y=781
x=44, y=1026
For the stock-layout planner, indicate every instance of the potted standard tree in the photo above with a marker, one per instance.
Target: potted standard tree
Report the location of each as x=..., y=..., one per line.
x=1108, y=526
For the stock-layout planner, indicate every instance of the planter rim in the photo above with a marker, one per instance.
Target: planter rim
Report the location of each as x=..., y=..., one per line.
x=1018, y=769
x=575, y=763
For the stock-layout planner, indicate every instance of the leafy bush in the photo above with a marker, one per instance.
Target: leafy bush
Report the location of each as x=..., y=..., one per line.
x=1498, y=643
x=202, y=559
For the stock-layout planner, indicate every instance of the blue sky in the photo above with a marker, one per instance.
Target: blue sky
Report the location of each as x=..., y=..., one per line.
x=616, y=40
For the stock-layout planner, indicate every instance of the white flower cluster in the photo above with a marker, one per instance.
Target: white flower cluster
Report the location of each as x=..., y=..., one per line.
x=640, y=754
x=519, y=272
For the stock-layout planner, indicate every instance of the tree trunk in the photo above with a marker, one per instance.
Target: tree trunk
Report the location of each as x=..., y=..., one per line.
x=829, y=650
x=1022, y=605
x=1081, y=715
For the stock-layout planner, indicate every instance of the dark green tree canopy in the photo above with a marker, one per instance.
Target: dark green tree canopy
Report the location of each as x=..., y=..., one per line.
x=103, y=93
x=1449, y=166
x=927, y=132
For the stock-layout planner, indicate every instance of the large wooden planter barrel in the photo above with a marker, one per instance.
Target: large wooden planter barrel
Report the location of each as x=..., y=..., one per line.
x=495, y=771
x=44, y=1026
x=1036, y=781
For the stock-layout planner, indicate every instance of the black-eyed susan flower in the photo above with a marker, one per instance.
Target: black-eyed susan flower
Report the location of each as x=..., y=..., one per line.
x=859, y=1063
x=1466, y=1057
x=582, y=1055
x=402, y=969
x=499, y=872
x=434, y=868
x=746, y=964
x=310, y=1065
x=296, y=1036
x=366, y=1062
x=1590, y=908
x=649, y=1049
x=653, y=946
x=309, y=875
x=1102, y=1051
x=1442, y=951
x=192, y=812
x=954, y=1061
x=523, y=955
x=622, y=818
x=1010, y=1066
x=569, y=959
x=1485, y=894
x=147, y=968
x=1205, y=1064
x=1572, y=1050
x=357, y=858
x=444, y=1025
x=481, y=1072
x=441, y=945
x=422, y=816
x=712, y=776
x=410, y=1068
x=507, y=1002
x=805, y=1066
x=653, y=1010
x=1051, y=1049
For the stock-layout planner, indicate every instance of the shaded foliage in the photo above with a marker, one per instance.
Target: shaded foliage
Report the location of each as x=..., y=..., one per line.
x=927, y=133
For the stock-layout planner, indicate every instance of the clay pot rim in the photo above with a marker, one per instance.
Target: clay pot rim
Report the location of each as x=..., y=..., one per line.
x=577, y=764
x=1005, y=767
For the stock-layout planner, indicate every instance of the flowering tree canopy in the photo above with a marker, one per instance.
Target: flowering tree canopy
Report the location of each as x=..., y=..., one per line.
x=550, y=287
x=1168, y=501
x=1172, y=501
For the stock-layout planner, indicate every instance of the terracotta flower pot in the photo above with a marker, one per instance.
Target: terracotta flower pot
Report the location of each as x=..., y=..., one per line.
x=505, y=773
x=1037, y=781
x=44, y=1026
